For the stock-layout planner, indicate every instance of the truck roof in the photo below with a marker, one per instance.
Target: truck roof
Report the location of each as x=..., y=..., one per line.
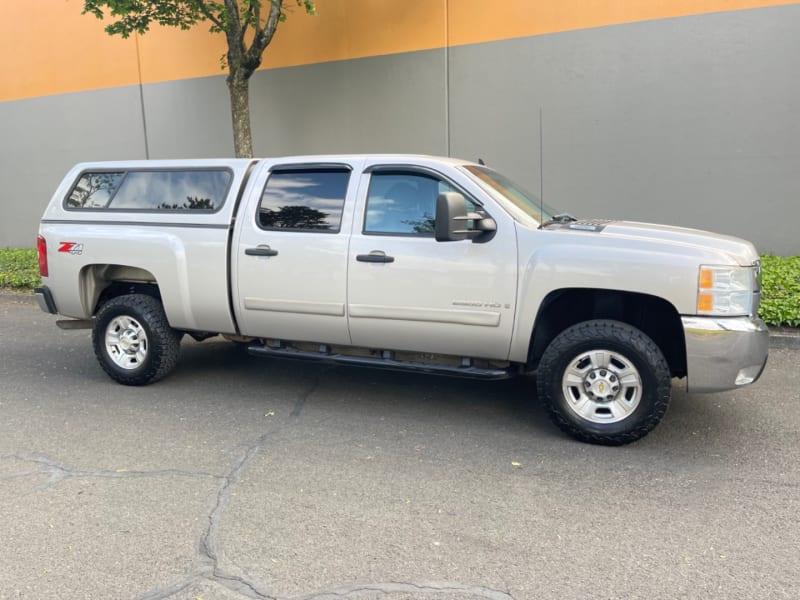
x=239, y=162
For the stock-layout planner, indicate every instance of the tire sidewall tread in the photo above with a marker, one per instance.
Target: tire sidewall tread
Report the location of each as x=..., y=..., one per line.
x=636, y=347
x=163, y=341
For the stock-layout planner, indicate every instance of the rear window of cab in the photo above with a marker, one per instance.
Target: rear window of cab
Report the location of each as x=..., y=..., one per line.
x=173, y=190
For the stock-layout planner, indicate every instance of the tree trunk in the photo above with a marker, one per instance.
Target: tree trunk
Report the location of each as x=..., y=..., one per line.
x=239, y=89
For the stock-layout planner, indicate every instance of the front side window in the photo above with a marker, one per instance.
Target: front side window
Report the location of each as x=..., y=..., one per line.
x=173, y=190
x=304, y=200
x=403, y=203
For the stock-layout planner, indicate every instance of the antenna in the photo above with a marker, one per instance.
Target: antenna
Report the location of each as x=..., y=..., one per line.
x=541, y=169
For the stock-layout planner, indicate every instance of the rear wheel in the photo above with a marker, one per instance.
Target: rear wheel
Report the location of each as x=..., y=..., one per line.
x=604, y=382
x=133, y=341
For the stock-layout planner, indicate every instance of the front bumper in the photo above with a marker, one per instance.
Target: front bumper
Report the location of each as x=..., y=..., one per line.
x=724, y=353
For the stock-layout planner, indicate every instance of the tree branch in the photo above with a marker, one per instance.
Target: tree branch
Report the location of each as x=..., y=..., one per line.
x=253, y=14
x=263, y=35
x=208, y=14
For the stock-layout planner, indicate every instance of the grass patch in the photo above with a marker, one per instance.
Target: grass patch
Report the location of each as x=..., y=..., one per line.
x=19, y=270
x=780, y=290
x=780, y=284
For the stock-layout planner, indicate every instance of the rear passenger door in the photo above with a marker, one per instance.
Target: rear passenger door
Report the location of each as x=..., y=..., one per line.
x=291, y=254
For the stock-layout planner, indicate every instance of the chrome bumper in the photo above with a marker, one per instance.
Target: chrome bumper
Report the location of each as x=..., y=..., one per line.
x=724, y=353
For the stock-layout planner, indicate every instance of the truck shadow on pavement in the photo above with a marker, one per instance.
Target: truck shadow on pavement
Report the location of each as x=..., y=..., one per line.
x=508, y=404
x=492, y=407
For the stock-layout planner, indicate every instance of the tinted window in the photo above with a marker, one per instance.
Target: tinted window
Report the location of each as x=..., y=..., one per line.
x=403, y=203
x=304, y=199
x=93, y=190
x=152, y=190
x=172, y=190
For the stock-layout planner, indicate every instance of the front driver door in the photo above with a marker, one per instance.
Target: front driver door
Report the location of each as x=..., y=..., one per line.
x=406, y=291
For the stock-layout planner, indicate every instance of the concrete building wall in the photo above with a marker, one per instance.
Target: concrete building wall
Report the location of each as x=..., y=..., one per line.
x=690, y=120
x=693, y=121
x=43, y=137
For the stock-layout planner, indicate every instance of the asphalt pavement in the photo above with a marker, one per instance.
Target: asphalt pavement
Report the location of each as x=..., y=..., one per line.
x=241, y=477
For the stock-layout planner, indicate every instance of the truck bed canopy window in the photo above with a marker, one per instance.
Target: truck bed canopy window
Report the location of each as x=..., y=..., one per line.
x=156, y=190
x=172, y=190
x=94, y=190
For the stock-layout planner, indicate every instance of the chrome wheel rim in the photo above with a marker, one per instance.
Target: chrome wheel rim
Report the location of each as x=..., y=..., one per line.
x=602, y=386
x=126, y=342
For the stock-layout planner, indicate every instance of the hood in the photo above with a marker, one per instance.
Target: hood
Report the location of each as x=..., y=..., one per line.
x=683, y=239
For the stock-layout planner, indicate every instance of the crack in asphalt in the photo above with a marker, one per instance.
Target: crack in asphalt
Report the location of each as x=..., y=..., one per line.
x=210, y=569
x=58, y=471
x=208, y=539
x=475, y=591
x=302, y=397
x=351, y=591
x=172, y=589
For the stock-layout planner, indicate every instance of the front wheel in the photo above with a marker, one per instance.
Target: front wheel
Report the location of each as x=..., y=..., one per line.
x=133, y=341
x=604, y=382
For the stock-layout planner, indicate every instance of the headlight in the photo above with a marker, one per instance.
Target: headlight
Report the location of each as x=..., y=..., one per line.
x=725, y=291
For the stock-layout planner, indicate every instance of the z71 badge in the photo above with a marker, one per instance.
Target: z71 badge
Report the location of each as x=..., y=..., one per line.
x=70, y=247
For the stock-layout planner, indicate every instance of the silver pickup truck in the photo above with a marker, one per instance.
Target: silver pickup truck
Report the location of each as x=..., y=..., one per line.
x=403, y=262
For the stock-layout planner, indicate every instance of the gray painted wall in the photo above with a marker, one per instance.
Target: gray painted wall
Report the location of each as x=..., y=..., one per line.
x=690, y=121
x=43, y=137
x=395, y=103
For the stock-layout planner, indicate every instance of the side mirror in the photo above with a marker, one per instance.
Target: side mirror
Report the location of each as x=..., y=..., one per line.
x=452, y=220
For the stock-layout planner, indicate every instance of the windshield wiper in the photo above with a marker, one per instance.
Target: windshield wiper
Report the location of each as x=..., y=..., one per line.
x=559, y=218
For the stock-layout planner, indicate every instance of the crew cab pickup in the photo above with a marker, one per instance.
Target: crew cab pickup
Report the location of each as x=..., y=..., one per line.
x=400, y=262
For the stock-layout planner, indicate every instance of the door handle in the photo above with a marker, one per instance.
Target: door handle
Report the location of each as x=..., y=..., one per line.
x=376, y=256
x=261, y=251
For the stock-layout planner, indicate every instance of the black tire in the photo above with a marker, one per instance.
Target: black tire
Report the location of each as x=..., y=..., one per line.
x=572, y=379
x=133, y=341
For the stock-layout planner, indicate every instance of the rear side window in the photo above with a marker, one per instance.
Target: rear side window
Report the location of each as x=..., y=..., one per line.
x=163, y=190
x=304, y=200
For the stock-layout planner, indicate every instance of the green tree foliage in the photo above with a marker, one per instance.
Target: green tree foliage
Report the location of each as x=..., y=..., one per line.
x=248, y=26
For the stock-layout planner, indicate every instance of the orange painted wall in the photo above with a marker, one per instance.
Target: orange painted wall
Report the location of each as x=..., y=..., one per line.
x=48, y=47
x=471, y=22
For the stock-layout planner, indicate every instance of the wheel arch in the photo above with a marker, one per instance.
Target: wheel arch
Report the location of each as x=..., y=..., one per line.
x=654, y=316
x=98, y=283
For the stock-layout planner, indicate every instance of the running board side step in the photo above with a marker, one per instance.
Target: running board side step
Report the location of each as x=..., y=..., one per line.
x=385, y=362
x=70, y=324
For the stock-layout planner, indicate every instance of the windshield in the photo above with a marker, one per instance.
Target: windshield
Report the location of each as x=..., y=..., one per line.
x=498, y=185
